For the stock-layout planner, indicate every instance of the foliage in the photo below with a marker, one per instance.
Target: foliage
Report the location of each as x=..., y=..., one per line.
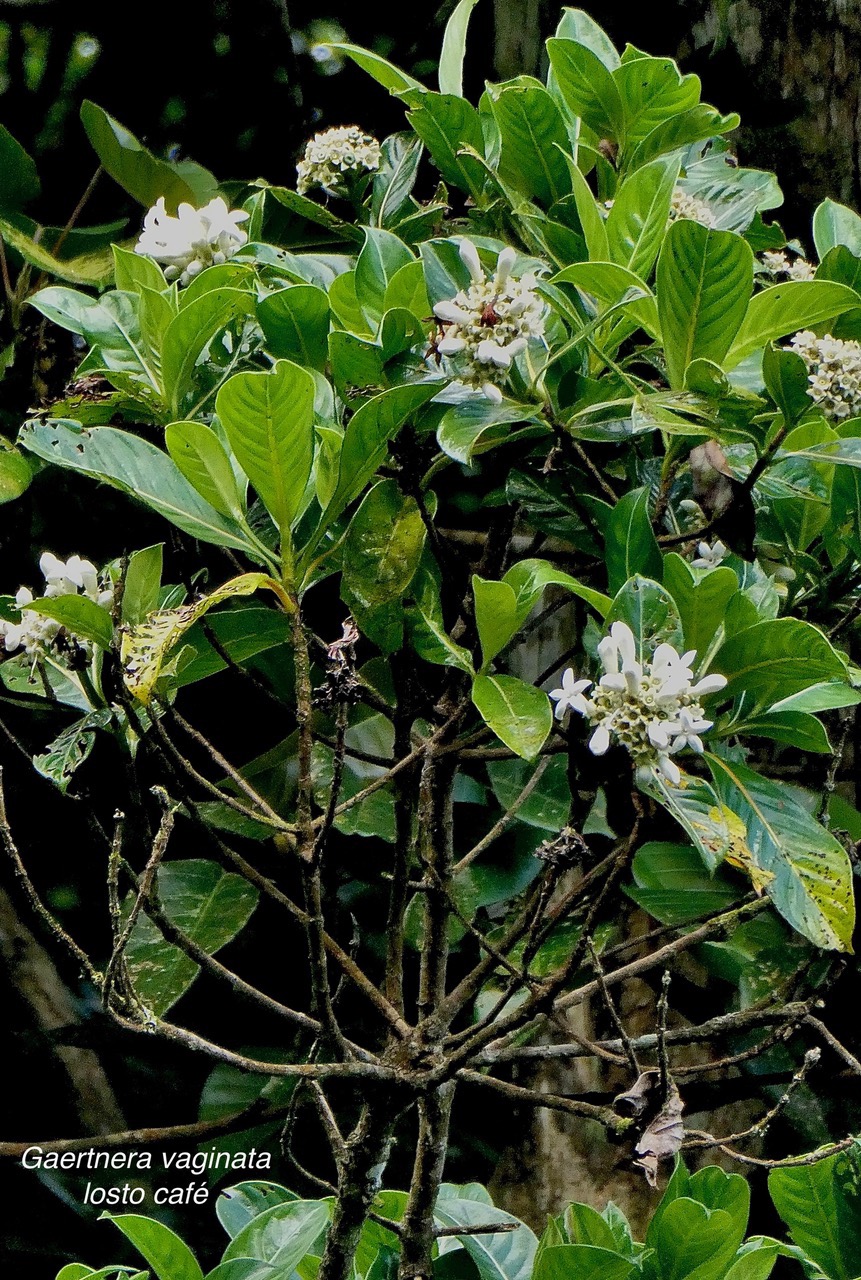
x=699, y=1228
x=500, y=372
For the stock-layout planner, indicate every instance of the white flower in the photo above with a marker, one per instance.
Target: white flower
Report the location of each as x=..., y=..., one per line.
x=692, y=208
x=833, y=372
x=485, y=327
x=34, y=633
x=194, y=239
x=710, y=556
x=333, y=157
x=649, y=707
x=570, y=696
x=778, y=264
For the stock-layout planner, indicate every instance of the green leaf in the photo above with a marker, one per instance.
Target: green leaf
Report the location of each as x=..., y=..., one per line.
x=400, y=155
x=529, y=578
x=382, y=256
x=812, y=885
x=785, y=376
x=141, y=588
x=587, y=87
x=366, y=440
x=822, y=1220
x=446, y=124
x=655, y=93
x=295, y=323
x=139, y=469
x=454, y=48
x=650, y=612
x=671, y=883
x=697, y=809
x=548, y=805
x=582, y=1262
x=385, y=73
x=785, y=309
x=631, y=547
x=202, y=459
x=69, y=750
x=78, y=614
x=592, y=224
x=834, y=224
x=475, y=426
x=20, y=182
x=281, y=1236
x=774, y=659
x=169, y=1257
x=637, y=222
x=695, y=125
x=189, y=333
x=94, y=270
x=111, y=324
x=534, y=139
x=693, y=1242
x=138, y=171
x=506, y=1255
x=704, y=285
x=701, y=599
x=134, y=272
x=383, y=546
x=758, y=1264
x=211, y=906
x=518, y=713
x=269, y=420
x=16, y=473
x=237, y=1206
x=240, y=633
x=495, y=616
x=797, y=728
x=611, y=283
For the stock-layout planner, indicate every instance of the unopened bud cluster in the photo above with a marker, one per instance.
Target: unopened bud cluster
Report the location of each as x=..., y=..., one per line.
x=193, y=240
x=34, y=633
x=833, y=373
x=336, y=156
x=651, y=708
x=691, y=208
x=487, y=325
x=781, y=267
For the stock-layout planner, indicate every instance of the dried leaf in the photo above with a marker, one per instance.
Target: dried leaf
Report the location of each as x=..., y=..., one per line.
x=663, y=1138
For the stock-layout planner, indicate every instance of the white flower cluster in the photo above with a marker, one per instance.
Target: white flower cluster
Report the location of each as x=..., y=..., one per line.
x=833, y=372
x=692, y=208
x=34, y=633
x=710, y=555
x=651, y=708
x=331, y=158
x=194, y=239
x=780, y=266
x=488, y=324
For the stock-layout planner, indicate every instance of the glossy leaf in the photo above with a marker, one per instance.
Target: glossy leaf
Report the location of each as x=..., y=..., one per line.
x=269, y=420
x=139, y=469
x=631, y=547
x=518, y=713
x=203, y=460
x=704, y=285
x=138, y=171
x=784, y=309
x=281, y=1236
x=211, y=906
x=168, y=1255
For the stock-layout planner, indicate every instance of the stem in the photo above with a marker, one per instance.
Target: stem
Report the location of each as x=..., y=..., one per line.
x=418, y=1234
x=360, y=1172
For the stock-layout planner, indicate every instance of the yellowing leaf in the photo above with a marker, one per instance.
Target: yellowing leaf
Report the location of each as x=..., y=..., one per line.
x=145, y=647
